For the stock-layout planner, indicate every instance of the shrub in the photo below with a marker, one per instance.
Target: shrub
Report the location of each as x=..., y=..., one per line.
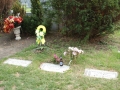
x=86, y=18
x=48, y=15
x=5, y=6
x=18, y=8
x=36, y=9
x=30, y=23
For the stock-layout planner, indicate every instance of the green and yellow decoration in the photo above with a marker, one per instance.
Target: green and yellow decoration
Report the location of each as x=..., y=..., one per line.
x=40, y=33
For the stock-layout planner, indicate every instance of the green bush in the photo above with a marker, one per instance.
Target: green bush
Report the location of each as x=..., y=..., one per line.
x=36, y=9
x=31, y=22
x=48, y=15
x=18, y=8
x=86, y=18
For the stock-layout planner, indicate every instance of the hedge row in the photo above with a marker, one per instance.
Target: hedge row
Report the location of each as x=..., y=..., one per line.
x=86, y=18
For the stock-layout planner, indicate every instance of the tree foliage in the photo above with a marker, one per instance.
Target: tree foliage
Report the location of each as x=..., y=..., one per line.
x=5, y=6
x=30, y=23
x=36, y=8
x=86, y=18
x=47, y=15
x=17, y=7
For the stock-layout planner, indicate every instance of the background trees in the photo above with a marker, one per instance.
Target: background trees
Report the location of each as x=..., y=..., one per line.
x=5, y=6
x=86, y=18
x=31, y=22
x=83, y=18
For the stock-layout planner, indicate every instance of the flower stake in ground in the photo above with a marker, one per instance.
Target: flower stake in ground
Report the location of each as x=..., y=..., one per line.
x=40, y=33
x=73, y=53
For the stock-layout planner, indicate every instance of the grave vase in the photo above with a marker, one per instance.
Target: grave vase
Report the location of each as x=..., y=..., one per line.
x=17, y=33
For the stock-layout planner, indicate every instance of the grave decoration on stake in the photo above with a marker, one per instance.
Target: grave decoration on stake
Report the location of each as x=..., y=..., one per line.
x=73, y=53
x=40, y=40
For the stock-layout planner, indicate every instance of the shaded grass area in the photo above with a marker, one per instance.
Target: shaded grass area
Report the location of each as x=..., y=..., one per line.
x=96, y=56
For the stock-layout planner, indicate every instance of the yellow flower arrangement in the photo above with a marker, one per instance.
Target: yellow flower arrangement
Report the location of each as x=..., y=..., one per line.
x=40, y=33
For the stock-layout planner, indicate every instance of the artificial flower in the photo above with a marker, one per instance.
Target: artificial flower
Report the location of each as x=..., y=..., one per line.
x=73, y=53
x=41, y=27
x=11, y=22
x=40, y=32
x=43, y=41
x=65, y=53
x=80, y=51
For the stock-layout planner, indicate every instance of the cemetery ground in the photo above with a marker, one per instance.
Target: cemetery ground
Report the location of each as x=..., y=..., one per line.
x=101, y=54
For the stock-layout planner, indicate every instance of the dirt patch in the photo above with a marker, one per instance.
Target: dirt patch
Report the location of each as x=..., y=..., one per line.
x=9, y=46
x=1, y=88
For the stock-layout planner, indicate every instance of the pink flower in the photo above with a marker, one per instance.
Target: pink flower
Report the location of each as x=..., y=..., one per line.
x=55, y=56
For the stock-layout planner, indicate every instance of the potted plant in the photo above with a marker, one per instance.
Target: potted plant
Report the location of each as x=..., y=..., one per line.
x=13, y=23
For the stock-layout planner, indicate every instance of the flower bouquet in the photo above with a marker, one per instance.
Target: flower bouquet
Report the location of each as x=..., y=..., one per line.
x=73, y=52
x=11, y=22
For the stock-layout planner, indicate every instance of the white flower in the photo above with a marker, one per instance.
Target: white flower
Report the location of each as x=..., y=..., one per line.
x=65, y=53
x=41, y=34
x=71, y=48
x=37, y=31
x=37, y=34
x=75, y=49
x=80, y=51
x=74, y=53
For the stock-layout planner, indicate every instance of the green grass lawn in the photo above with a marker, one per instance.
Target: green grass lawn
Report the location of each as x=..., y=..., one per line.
x=103, y=56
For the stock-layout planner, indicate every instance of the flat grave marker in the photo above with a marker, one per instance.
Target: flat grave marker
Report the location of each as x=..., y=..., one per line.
x=100, y=74
x=54, y=67
x=18, y=62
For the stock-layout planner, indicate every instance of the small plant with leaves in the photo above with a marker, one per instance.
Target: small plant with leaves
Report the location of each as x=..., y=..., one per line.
x=40, y=33
x=73, y=53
